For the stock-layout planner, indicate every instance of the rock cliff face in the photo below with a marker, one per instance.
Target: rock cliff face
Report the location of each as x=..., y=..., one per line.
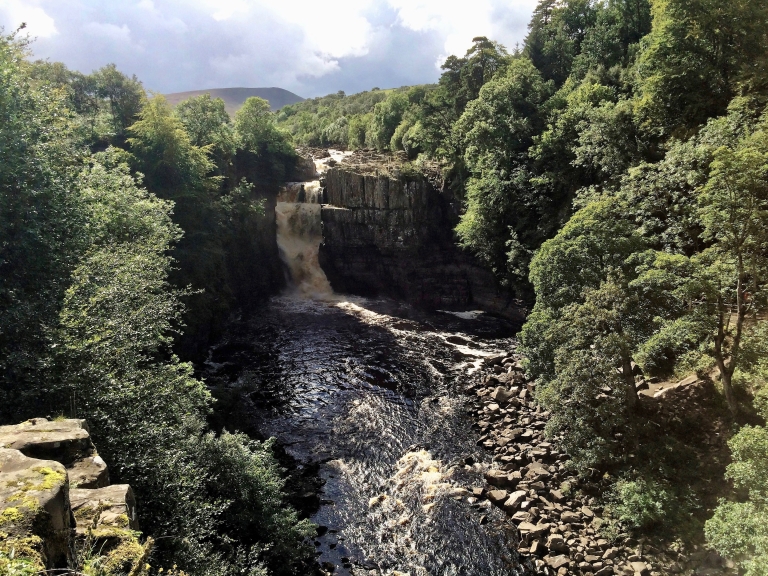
x=390, y=234
x=56, y=504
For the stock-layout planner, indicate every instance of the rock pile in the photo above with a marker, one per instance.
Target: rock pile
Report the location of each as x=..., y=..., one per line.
x=55, y=500
x=531, y=483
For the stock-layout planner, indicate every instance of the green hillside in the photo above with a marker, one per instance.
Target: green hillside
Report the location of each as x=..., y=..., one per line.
x=234, y=97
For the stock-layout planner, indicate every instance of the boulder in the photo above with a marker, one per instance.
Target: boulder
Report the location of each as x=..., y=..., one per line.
x=493, y=360
x=497, y=496
x=502, y=395
x=556, y=562
x=568, y=517
x=112, y=506
x=520, y=516
x=498, y=478
x=35, y=515
x=65, y=441
x=515, y=499
x=535, y=530
x=556, y=495
x=89, y=472
x=537, y=548
x=556, y=543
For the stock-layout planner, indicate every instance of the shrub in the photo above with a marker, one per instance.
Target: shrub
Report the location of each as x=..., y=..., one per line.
x=640, y=504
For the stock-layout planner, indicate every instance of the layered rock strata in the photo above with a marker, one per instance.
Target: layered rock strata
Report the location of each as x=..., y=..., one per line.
x=55, y=500
x=388, y=233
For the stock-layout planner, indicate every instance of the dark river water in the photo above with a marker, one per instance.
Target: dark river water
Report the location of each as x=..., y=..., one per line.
x=371, y=394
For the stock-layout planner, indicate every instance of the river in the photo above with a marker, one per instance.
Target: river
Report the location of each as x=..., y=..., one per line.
x=370, y=393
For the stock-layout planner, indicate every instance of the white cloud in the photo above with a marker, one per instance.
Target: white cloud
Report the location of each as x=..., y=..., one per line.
x=39, y=23
x=306, y=46
x=111, y=32
x=335, y=29
x=459, y=21
x=226, y=9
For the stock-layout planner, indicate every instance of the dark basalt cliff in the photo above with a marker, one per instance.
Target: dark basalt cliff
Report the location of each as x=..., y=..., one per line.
x=386, y=233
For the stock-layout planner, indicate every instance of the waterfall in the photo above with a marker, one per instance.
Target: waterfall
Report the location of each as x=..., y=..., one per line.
x=300, y=233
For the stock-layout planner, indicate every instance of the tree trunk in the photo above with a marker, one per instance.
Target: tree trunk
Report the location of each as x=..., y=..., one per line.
x=725, y=378
x=629, y=380
x=725, y=371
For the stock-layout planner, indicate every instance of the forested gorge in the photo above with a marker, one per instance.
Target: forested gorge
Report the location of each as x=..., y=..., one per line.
x=614, y=175
x=614, y=170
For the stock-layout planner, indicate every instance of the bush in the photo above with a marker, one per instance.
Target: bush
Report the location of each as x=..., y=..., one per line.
x=676, y=340
x=739, y=530
x=640, y=504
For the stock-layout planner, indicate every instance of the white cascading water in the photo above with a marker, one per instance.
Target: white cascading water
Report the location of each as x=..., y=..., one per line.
x=299, y=233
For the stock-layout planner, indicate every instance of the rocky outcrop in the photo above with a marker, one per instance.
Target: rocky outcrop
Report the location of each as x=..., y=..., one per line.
x=56, y=502
x=66, y=441
x=390, y=233
x=34, y=509
x=304, y=170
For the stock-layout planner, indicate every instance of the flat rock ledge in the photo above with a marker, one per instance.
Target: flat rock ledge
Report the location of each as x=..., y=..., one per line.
x=558, y=528
x=55, y=499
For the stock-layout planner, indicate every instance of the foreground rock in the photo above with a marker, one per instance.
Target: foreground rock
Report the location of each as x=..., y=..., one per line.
x=65, y=441
x=35, y=515
x=55, y=500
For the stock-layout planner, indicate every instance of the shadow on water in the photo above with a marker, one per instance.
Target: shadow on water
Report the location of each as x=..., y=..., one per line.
x=367, y=395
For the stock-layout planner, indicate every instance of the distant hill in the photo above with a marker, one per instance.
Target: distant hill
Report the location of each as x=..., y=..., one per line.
x=234, y=97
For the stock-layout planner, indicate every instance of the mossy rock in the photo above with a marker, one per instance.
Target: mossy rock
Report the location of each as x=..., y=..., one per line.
x=110, y=506
x=21, y=556
x=34, y=504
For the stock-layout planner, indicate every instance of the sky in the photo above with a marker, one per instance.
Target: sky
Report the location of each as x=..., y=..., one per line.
x=310, y=48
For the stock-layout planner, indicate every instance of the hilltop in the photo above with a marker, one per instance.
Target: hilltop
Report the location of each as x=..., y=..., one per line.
x=234, y=97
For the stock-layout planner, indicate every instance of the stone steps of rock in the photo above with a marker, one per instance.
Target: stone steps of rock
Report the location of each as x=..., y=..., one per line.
x=55, y=495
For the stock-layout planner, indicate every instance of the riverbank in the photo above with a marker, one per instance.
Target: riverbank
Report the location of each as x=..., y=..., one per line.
x=561, y=521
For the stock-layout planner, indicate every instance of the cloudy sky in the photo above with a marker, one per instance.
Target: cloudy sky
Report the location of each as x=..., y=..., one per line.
x=309, y=47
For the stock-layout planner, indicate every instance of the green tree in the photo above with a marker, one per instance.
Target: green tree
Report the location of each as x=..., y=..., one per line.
x=739, y=529
x=556, y=32
x=722, y=283
x=358, y=126
x=146, y=410
x=39, y=222
x=206, y=122
x=125, y=96
x=581, y=334
x=507, y=214
x=611, y=44
x=386, y=117
x=459, y=84
x=694, y=57
x=734, y=212
x=174, y=169
x=264, y=148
